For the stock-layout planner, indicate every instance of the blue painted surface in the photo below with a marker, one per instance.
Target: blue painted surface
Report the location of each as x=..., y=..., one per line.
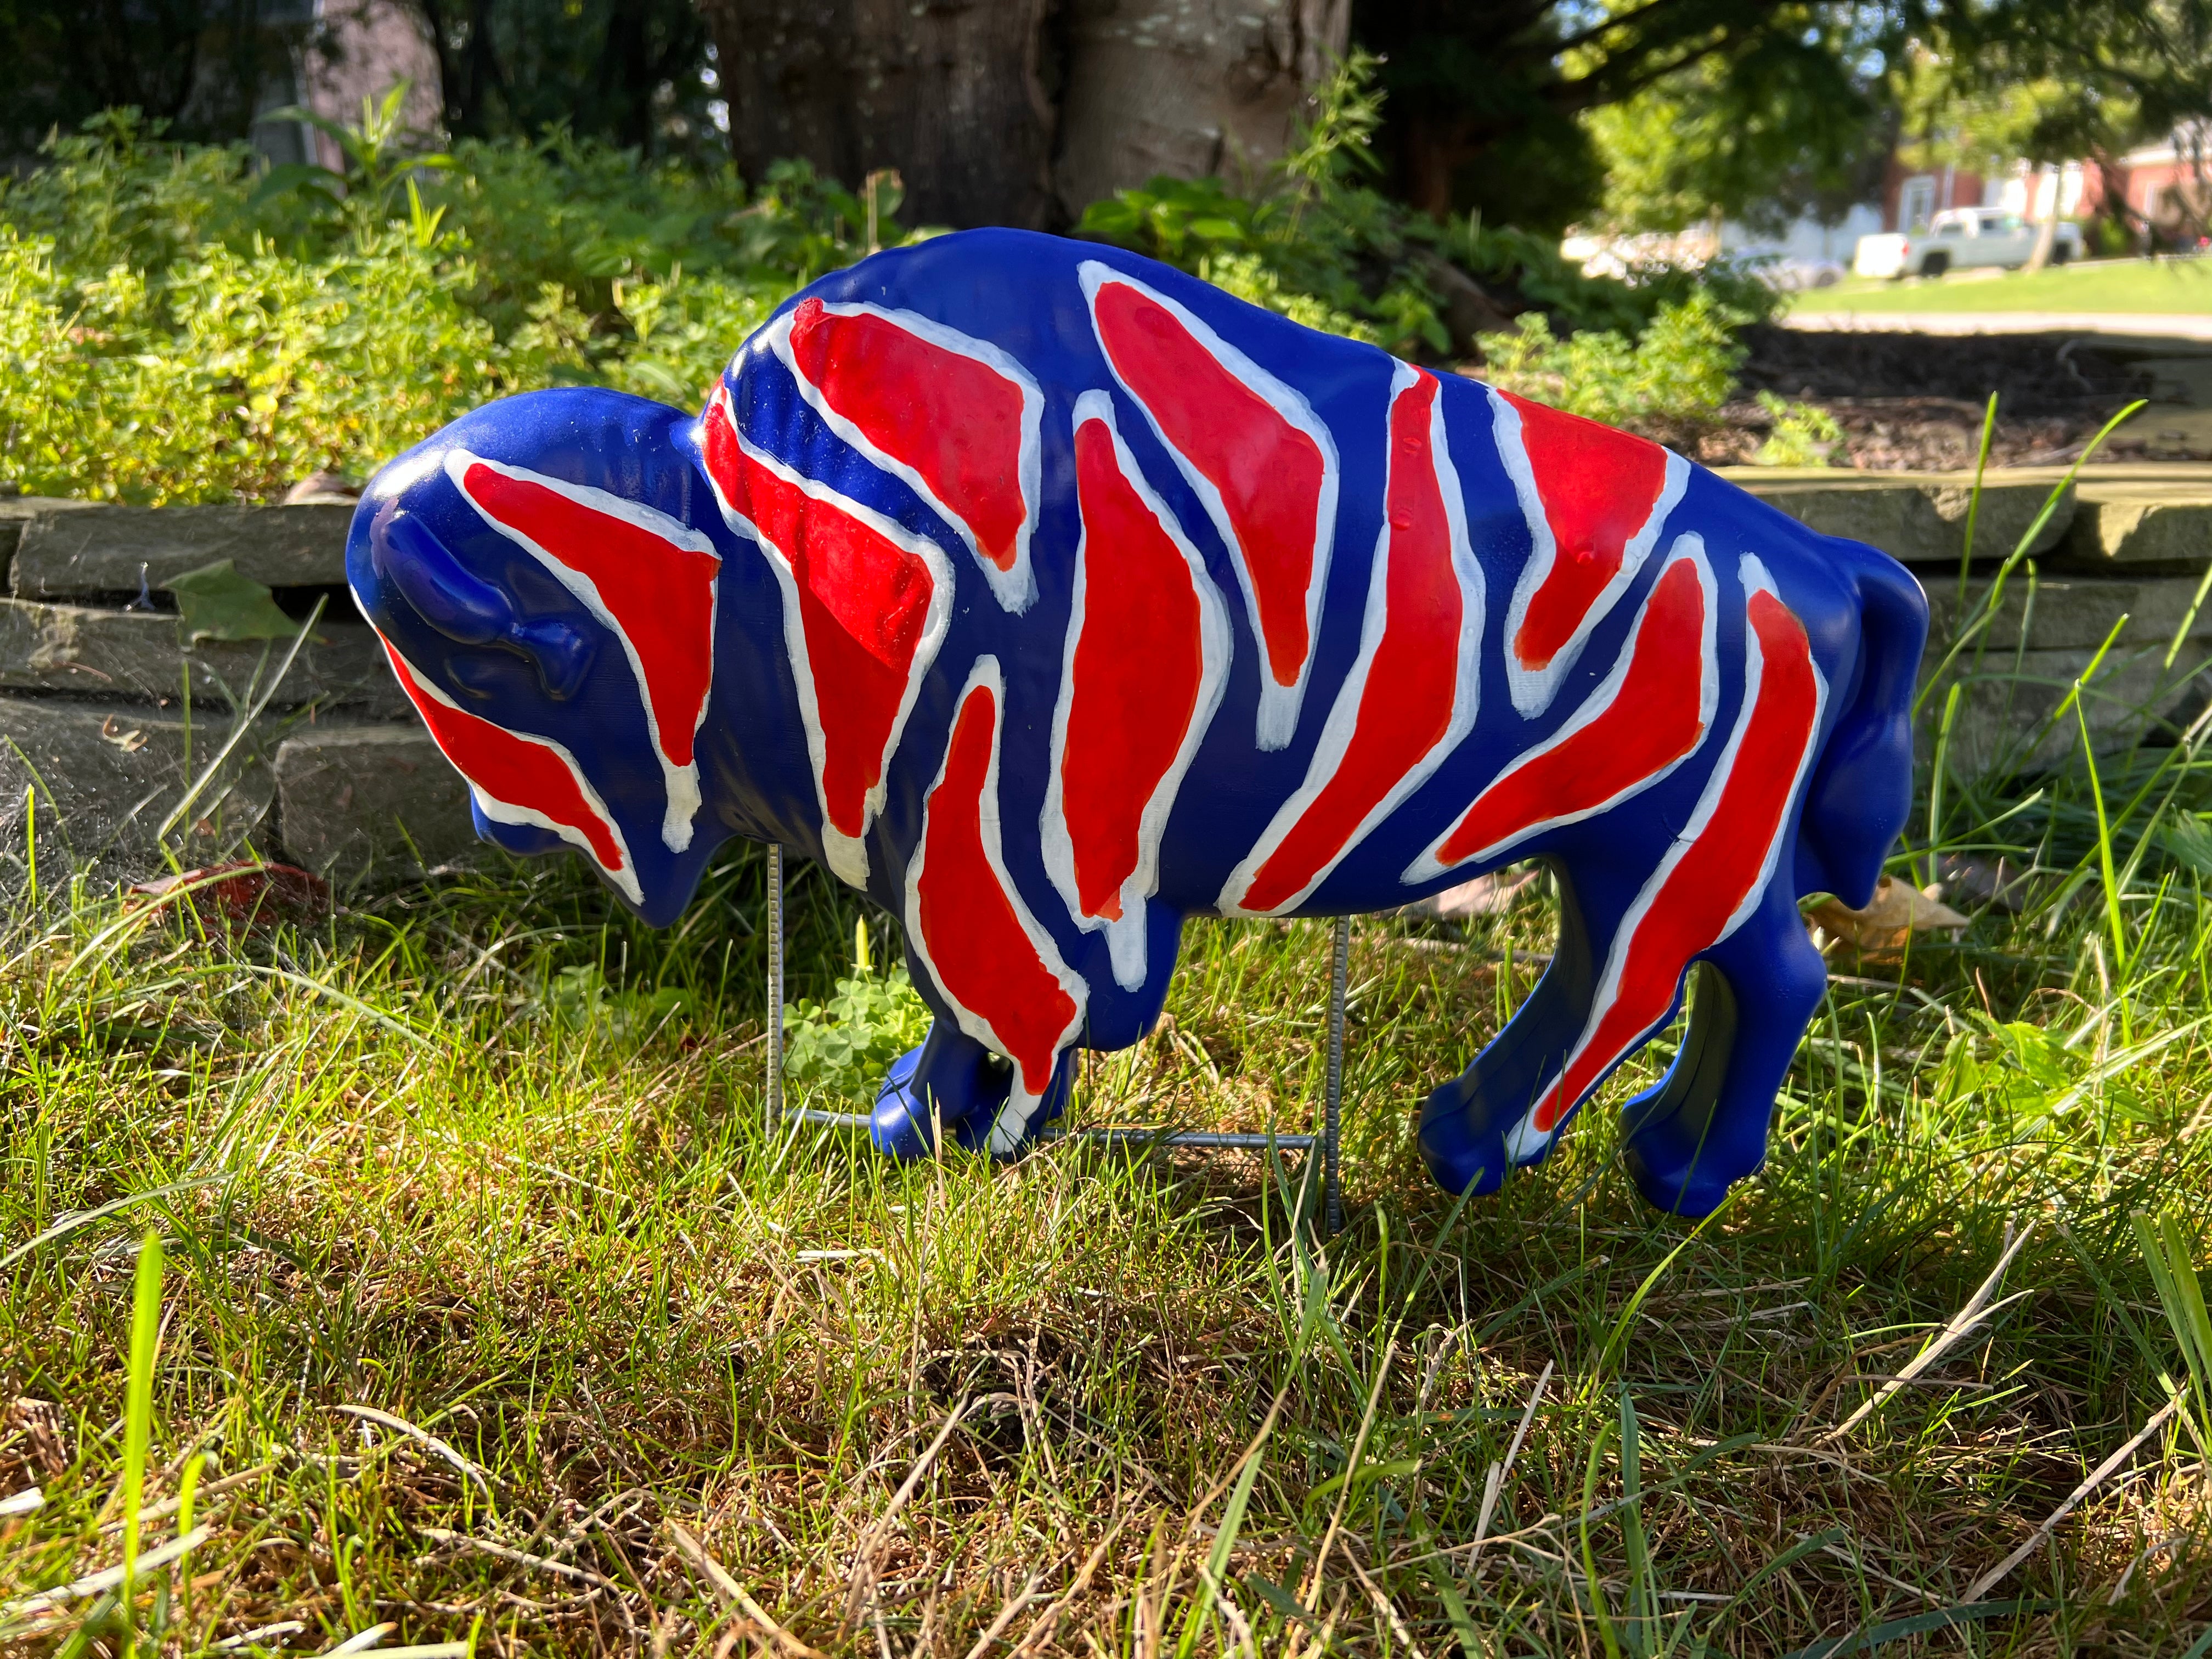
x=532, y=661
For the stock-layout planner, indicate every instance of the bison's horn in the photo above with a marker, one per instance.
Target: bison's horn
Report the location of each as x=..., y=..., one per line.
x=472, y=612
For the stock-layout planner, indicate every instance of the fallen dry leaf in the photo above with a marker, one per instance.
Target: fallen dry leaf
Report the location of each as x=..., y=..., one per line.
x=236, y=896
x=1897, y=912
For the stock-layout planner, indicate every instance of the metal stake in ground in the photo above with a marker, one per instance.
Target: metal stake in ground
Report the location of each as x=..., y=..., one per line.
x=774, y=984
x=1333, y=1088
x=1332, y=1102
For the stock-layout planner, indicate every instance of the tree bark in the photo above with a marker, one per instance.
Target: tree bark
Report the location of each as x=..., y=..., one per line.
x=1207, y=86
x=2046, y=232
x=949, y=92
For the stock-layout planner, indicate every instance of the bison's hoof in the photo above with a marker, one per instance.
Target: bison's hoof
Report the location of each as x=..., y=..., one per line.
x=963, y=1083
x=1665, y=1164
x=1462, y=1151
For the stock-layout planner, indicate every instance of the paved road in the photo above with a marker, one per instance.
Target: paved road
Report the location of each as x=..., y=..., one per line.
x=2185, y=325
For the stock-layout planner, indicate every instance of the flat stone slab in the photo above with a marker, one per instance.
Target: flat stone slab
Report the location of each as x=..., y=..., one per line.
x=135, y=654
x=16, y=511
x=2070, y=612
x=2155, y=522
x=376, y=802
x=71, y=553
x=107, y=774
x=1916, y=518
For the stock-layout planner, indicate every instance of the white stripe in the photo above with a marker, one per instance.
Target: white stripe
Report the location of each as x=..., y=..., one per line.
x=1533, y=689
x=1342, y=725
x=1754, y=576
x=1125, y=939
x=1013, y=1118
x=1692, y=547
x=847, y=855
x=1278, y=718
x=505, y=811
x=680, y=783
x=1015, y=589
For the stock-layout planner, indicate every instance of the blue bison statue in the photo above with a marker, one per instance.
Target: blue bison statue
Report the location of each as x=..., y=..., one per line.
x=1049, y=596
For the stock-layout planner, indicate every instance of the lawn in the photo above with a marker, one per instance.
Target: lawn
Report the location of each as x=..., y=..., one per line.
x=2169, y=286
x=495, y=1318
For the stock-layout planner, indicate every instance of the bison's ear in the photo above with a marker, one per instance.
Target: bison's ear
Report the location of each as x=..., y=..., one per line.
x=469, y=611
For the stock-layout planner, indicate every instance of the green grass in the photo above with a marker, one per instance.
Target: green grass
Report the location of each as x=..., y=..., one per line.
x=494, y=1313
x=2169, y=286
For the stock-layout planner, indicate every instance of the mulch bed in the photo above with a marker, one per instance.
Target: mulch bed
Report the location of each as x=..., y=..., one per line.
x=1914, y=401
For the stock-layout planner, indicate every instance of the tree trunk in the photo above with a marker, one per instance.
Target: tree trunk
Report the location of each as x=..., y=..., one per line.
x=2046, y=232
x=949, y=94
x=1207, y=86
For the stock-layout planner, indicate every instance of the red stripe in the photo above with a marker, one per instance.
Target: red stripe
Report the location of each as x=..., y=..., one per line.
x=1717, y=873
x=515, y=770
x=1652, y=723
x=977, y=948
x=953, y=418
x=1406, y=705
x=1598, y=487
x=660, y=596
x=863, y=605
x=1139, y=663
x=1269, y=474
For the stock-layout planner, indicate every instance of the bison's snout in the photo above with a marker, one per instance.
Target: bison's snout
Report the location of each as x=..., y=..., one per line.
x=469, y=611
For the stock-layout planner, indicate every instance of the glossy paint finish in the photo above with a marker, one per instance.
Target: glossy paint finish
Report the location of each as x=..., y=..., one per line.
x=1050, y=596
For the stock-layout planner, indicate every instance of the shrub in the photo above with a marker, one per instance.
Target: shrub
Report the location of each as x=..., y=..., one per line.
x=1312, y=241
x=1666, y=384
x=231, y=375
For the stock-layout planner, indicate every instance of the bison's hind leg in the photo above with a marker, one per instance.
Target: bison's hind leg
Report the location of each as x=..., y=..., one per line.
x=953, y=1080
x=1472, y=1129
x=1705, y=1125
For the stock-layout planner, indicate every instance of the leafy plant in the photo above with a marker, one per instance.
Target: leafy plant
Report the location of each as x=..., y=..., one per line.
x=2165, y=1251
x=1672, y=379
x=845, y=1042
x=1803, y=435
x=580, y=998
x=380, y=161
x=1312, y=239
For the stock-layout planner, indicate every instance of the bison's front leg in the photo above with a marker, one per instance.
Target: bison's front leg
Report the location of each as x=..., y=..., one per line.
x=954, y=1081
x=989, y=970
x=1705, y=1126
x=1482, y=1121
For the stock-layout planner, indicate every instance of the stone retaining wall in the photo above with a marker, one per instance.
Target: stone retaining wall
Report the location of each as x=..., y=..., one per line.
x=117, y=719
x=103, y=705
x=2126, y=541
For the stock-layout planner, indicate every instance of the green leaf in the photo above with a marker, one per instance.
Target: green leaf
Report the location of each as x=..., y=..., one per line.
x=214, y=602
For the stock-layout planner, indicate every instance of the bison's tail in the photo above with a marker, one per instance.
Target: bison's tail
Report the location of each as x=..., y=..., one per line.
x=1862, y=791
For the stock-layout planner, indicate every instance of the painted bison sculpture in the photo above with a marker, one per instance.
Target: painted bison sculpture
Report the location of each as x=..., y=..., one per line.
x=1050, y=596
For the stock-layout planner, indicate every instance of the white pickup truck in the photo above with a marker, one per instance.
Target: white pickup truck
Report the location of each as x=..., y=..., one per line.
x=1959, y=237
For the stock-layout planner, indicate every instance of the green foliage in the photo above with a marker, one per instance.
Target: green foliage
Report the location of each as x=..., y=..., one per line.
x=1675, y=377
x=1316, y=242
x=844, y=1043
x=216, y=602
x=1760, y=139
x=173, y=330
x=579, y=999
x=1803, y=435
x=235, y=375
x=382, y=160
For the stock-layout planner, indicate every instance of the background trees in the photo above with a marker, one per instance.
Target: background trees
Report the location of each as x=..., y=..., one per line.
x=1643, y=114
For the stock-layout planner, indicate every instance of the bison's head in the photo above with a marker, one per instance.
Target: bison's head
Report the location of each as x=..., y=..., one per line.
x=544, y=582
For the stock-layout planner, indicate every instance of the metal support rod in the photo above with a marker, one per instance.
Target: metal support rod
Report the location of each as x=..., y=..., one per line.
x=1202, y=1138
x=1333, y=1094
x=774, y=984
